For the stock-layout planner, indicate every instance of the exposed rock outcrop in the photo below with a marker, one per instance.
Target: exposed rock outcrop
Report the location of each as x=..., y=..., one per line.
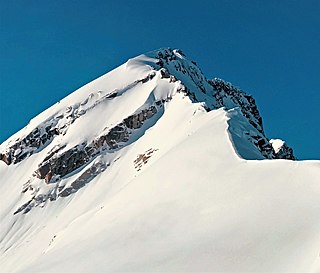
x=225, y=93
x=143, y=159
x=59, y=124
x=76, y=157
x=84, y=178
x=60, y=163
x=31, y=143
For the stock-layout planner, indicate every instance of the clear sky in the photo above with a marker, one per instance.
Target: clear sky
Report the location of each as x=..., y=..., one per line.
x=271, y=49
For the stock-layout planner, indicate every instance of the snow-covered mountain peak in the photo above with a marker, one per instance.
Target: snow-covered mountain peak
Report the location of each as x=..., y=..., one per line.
x=154, y=70
x=153, y=167
x=80, y=136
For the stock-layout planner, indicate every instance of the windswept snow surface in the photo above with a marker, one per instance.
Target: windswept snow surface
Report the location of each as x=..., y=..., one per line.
x=176, y=197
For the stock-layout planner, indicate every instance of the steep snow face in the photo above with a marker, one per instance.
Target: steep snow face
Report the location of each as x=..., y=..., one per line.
x=144, y=169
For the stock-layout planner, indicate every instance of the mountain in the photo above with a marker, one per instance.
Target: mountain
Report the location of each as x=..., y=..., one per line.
x=153, y=167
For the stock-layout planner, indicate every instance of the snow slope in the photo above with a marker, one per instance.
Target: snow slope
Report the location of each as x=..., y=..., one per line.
x=154, y=168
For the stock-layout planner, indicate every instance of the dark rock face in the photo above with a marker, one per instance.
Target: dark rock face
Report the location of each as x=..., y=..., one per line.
x=168, y=55
x=84, y=178
x=224, y=92
x=68, y=162
x=43, y=170
x=61, y=191
x=42, y=136
x=62, y=164
x=136, y=121
x=58, y=164
x=225, y=95
x=6, y=158
x=263, y=145
x=28, y=145
x=248, y=107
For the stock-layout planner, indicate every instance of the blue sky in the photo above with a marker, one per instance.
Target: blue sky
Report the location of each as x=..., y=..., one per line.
x=268, y=48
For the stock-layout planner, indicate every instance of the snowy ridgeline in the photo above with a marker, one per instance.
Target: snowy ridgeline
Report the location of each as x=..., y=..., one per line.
x=164, y=74
x=152, y=167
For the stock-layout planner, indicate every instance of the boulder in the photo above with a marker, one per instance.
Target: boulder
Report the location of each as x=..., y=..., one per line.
x=6, y=158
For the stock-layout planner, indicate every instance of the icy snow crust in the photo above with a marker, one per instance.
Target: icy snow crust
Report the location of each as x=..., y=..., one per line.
x=176, y=196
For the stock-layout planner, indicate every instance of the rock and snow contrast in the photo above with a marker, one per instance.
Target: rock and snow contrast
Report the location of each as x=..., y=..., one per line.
x=154, y=168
